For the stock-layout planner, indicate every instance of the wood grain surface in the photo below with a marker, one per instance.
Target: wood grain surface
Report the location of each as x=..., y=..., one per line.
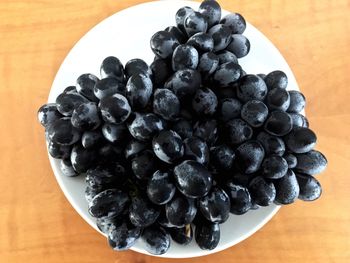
x=37, y=224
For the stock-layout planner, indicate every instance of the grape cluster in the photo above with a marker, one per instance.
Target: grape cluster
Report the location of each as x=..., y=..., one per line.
x=169, y=150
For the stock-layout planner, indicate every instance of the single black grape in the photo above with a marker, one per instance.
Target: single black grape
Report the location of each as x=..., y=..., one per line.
x=109, y=86
x=238, y=131
x=160, y=188
x=85, y=86
x=58, y=151
x=161, y=71
x=180, y=16
x=183, y=235
x=122, y=237
x=310, y=188
x=48, y=114
x=206, y=130
x=145, y=126
x=279, y=123
x=276, y=79
x=274, y=167
x=163, y=44
x=196, y=149
x=115, y=108
x=297, y=101
x=144, y=165
x=251, y=87
x=139, y=90
x=63, y=132
x=114, y=133
x=185, y=57
x=142, y=213
x=67, y=168
x=287, y=188
x=207, y=235
x=194, y=23
x=254, y=112
x=86, y=116
x=278, y=99
x=312, y=162
x=67, y=102
x=111, y=67
x=300, y=140
x=235, y=22
x=168, y=146
x=215, y=206
x=226, y=56
x=211, y=11
x=157, y=240
x=272, y=144
x=137, y=66
x=240, y=199
x=108, y=203
x=239, y=45
x=82, y=159
x=180, y=211
x=227, y=74
x=192, y=179
x=177, y=33
x=249, y=156
x=229, y=109
x=204, y=102
x=208, y=63
x=202, y=42
x=222, y=157
x=262, y=192
x=299, y=120
x=166, y=104
x=91, y=139
x=184, y=82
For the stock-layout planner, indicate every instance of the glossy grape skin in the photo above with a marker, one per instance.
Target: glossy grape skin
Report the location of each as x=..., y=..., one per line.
x=204, y=102
x=104, y=223
x=160, y=188
x=108, y=203
x=180, y=16
x=161, y=71
x=221, y=35
x=115, y=108
x=90, y=193
x=272, y=144
x=240, y=199
x=310, y=188
x=254, y=112
x=238, y=131
x=183, y=235
x=279, y=123
x=239, y=45
x=157, y=240
x=63, y=132
x=166, y=104
x=70, y=90
x=249, y=156
x=222, y=157
x=229, y=109
x=180, y=211
x=122, y=237
x=299, y=120
x=177, y=33
x=168, y=146
x=184, y=82
x=235, y=22
x=207, y=235
x=227, y=74
x=145, y=126
x=144, y=165
x=82, y=159
x=134, y=148
x=106, y=176
x=300, y=140
x=58, y=151
x=139, y=90
x=114, y=133
x=194, y=23
x=202, y=42
x=276, y=79
x=274, y=167
x=291, y=160
x=262, y=192
x=215, y=206
x=312, y=162
x=67, y=168
x=67, y=102
x=85, y=86
x=211, y=11
x=184, y=57
x=287, y=189
x=226, y=56
x=91, y=139
x=206, y=130
x=208, y=63
x=278, y=99
x=196, y=149
x=48, y=113
x=163, y=44
x=183, y=128
x=108, y=87
x=251, y=87
x=142, y=213
x=192, y=179
x=111, y=67
x=137, y=66
x=86, y=116
x=297, y=101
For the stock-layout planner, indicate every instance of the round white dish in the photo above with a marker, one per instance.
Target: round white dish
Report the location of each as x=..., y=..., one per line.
x=126, y=35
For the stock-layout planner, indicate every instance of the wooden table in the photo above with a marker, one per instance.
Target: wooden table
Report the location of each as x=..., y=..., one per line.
x=37, y=224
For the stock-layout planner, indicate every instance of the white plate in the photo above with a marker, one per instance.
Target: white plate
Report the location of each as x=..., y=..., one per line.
x=126, y=35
